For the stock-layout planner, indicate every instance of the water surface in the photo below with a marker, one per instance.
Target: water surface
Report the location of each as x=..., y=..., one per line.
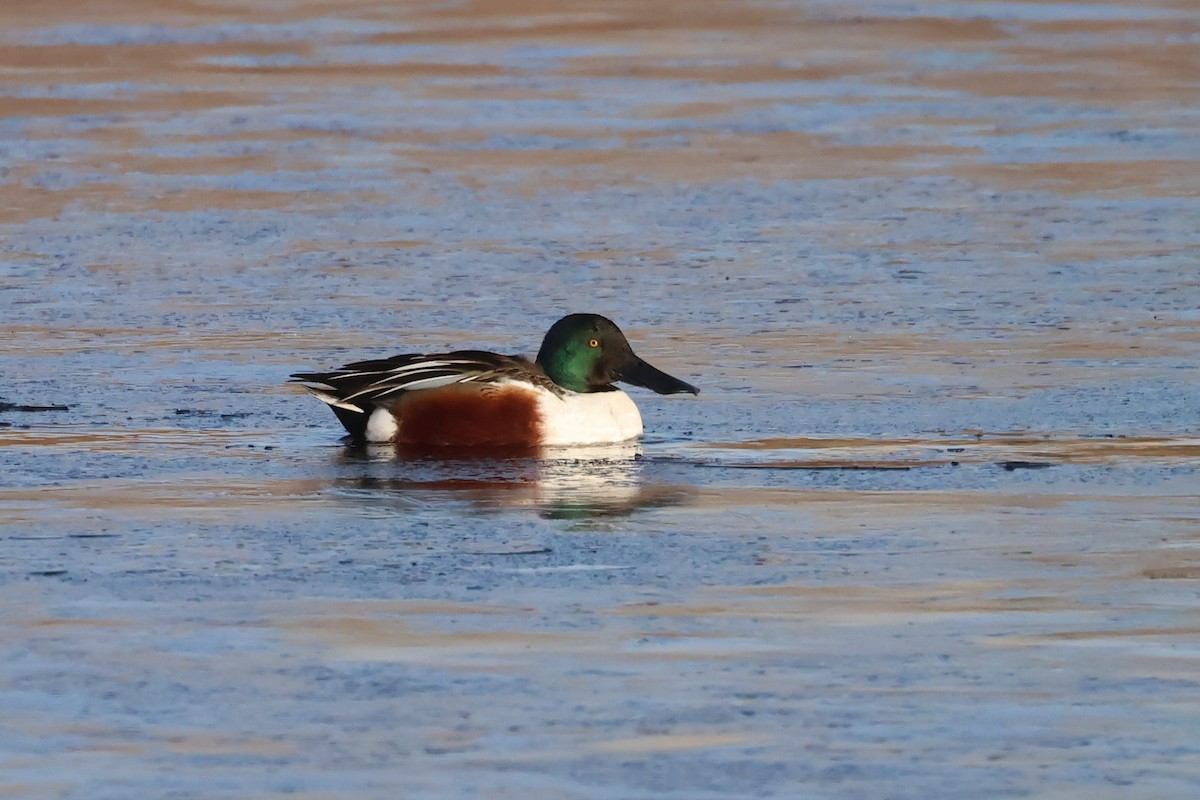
x=930, y=530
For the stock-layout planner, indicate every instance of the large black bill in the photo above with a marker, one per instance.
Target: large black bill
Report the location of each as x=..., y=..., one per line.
x=639, y=373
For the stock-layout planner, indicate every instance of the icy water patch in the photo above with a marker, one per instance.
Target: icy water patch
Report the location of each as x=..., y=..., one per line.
x=929, y=530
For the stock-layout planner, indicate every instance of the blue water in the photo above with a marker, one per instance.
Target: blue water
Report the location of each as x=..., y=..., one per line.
x=929, y=529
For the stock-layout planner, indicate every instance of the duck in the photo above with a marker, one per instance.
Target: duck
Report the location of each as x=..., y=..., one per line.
x=469, y=399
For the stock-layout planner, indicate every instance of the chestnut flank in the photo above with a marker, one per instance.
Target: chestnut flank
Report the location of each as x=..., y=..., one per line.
x=465, y=415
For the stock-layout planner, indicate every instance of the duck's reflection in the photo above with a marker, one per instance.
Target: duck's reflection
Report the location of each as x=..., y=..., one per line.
x=559, y=483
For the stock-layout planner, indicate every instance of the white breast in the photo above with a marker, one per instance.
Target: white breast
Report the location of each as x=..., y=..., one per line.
x=593, y=418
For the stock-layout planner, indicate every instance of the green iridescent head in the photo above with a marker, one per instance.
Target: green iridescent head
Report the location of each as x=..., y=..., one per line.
x=587, y=353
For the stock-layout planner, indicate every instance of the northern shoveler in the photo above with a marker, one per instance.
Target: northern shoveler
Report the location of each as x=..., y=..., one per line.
x=473, y=398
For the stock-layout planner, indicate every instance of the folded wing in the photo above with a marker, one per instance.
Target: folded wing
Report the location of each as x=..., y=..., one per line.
x=357, y=389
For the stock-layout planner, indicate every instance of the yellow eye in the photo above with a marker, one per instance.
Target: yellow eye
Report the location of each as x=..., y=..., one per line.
x=593, y=342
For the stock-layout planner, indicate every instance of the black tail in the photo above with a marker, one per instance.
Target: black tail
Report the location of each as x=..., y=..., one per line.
x=355, y=422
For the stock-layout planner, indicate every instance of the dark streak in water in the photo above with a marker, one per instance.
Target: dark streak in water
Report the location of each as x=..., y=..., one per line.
x=1015, y=465
x=21, y=407
x=817, y=466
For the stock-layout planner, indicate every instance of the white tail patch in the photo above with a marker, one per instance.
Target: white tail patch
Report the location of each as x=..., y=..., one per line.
x=381, y=426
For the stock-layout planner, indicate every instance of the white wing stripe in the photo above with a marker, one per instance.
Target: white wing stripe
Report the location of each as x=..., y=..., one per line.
x=412, y=386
